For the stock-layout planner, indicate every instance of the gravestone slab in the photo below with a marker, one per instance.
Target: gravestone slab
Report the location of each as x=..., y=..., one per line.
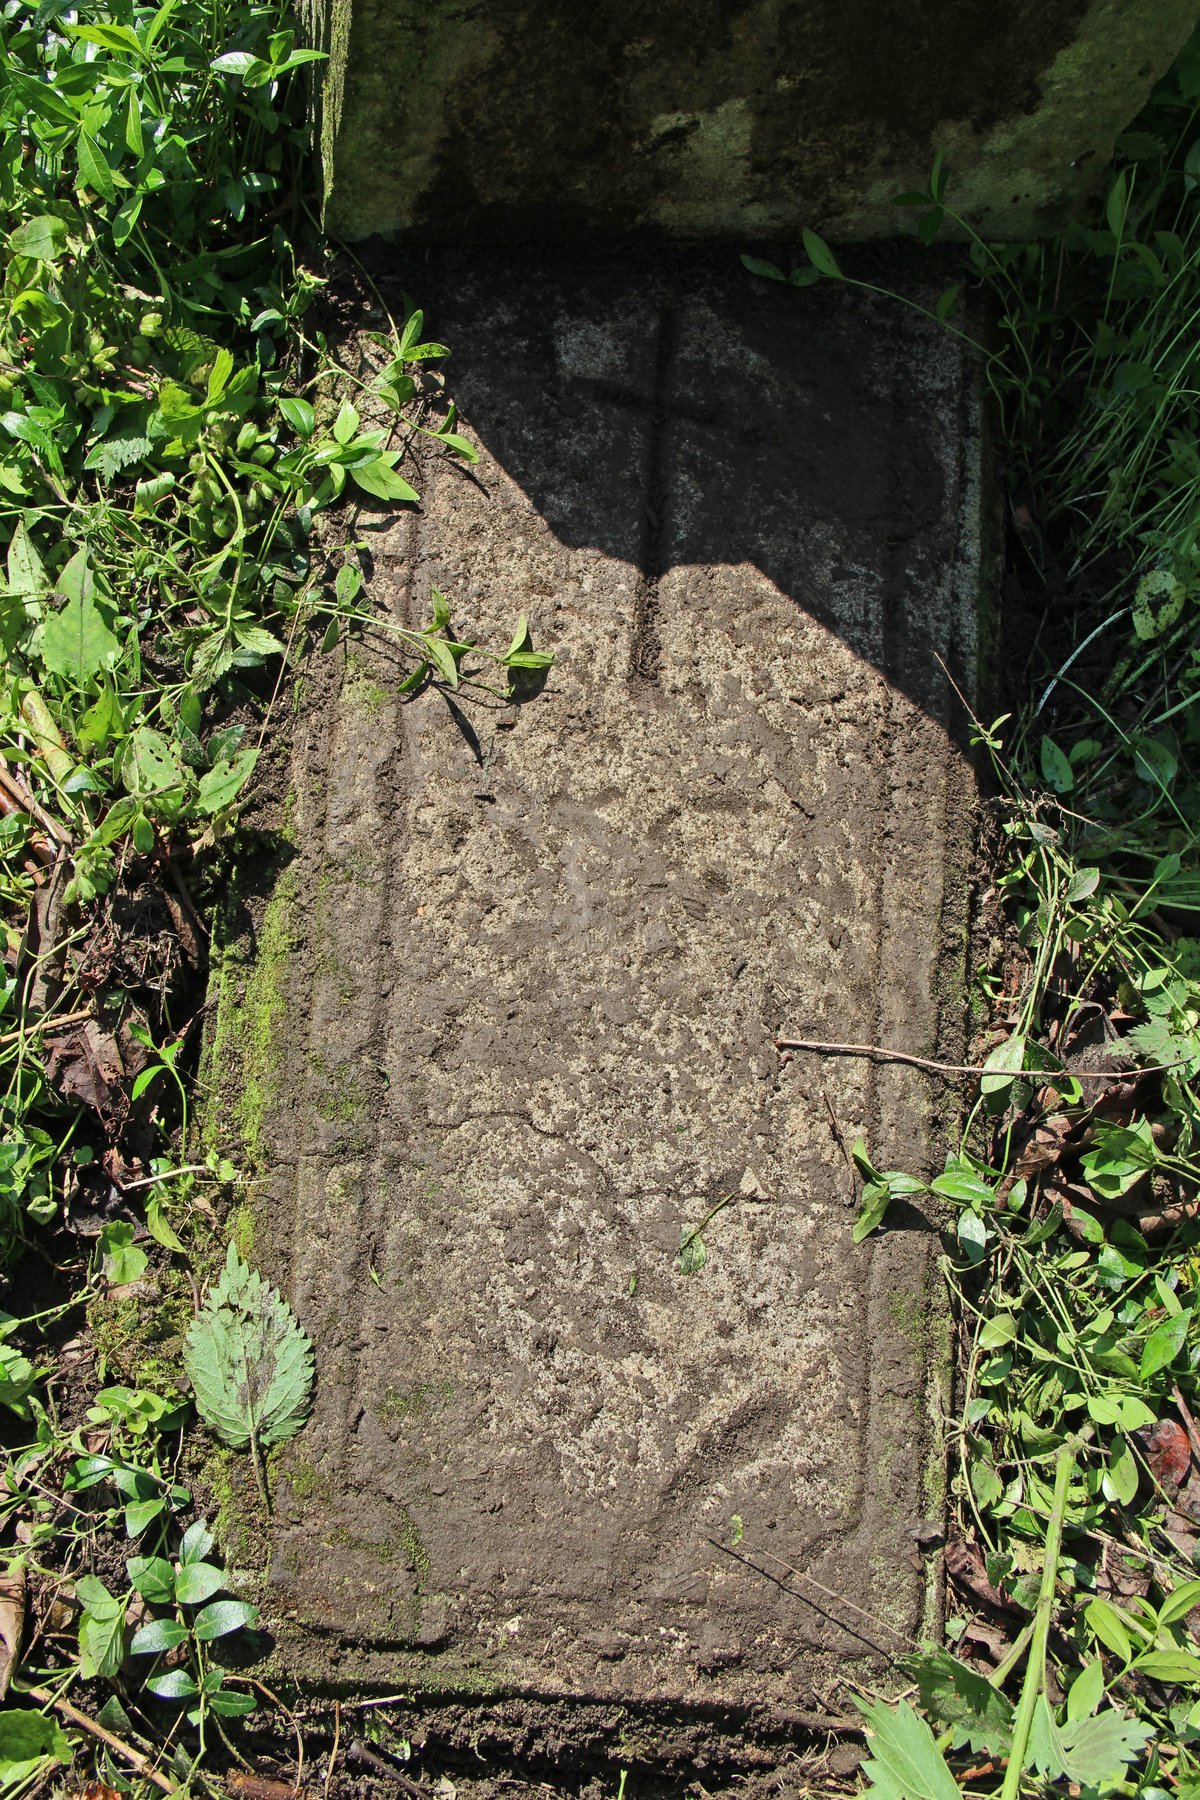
x=528, y=120
x=537, y=958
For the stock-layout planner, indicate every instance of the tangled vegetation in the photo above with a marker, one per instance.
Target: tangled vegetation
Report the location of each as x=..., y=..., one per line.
x=1071, y=1660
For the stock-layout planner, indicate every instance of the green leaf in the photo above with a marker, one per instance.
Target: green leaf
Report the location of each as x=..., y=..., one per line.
x=176, y=1684
x=123, y=1261
x=876, y=1199
x=235, y=62
x=249, y=1361
x=693, y=1251
x=153, y=1577
x=1002, y=1066
x=222, y=785
x=1056, y=770
x=1158, y=601
x=1164, y=1344
x=112, y=454
x=196, y=1582
x=986, y=1485
x=999, y=1330
x=76, y=643
x=94, y=171
x=156, y=1637
x=957, y=1697
x=26, y=1740
x=149, y=765
x=1092, y=1751
x=1108, y=1625
x=905, y=1762
x=1120, y=1482
x=222, y=1617
x=441, y=655
x=1169, y=1665
x=379, y=478
x=26, y=571
x=299, y=415
x=43, y=238
x=821, y=256
x=768, y=270
x=1179, y=1602
x=101, y=1641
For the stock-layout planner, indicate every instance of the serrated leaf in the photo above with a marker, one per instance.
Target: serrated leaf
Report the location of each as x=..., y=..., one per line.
x=249, y=1361
x=959, y=1698
x=1092, y=1751
x=904, y=1762
x=118, y=452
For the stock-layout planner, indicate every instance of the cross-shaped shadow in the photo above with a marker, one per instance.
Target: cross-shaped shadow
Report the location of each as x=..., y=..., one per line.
x=668, y=409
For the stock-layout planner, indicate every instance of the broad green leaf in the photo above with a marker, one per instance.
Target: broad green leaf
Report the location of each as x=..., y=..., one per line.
x=196, y=1543
x=222, y=1617
x=76, y=642
x=123, y=1261
x=693, y=1252
x=236, y=62
x=157, y=1636
x=197, y=1582
x=1158, y=601
x=43, y=238
x=1164, y=1344
x=377, y=477
x=997, y=1331
x=876, y=1199
x=820, y=255
x=768, y=270
x=346, y=423
x=221, y=786
x=299, y=415
x=441, y=655
x=1109, y=1626
x=1086, y=1691
x=1002, y=1066
x=972, y=1235
x=249, y=1361
x=27, y=1740
x=1056, y=770
x=1169, y=1665
x=904, y=1761
x=153, y=1577
x=101, y=1643
x=26, y=571
x=1120, y=1482
x=986, y=1485
x=149, y=765
x=175, y=1684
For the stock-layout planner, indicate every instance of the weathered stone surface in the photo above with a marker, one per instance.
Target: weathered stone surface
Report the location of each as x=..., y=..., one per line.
x=538, y=958
x=533, y=121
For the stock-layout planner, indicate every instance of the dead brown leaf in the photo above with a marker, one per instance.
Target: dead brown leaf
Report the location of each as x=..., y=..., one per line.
x=965, y=1567
x=12, y=1623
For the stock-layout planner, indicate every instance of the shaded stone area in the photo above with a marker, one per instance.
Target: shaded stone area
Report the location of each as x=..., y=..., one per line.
x=528, y=120
x=539, y=954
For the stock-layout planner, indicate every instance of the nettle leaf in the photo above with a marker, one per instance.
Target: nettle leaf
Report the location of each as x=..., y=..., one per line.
x=956, y=1696
x=905, y=1762
x=1092, y=1751
x=249, y=1361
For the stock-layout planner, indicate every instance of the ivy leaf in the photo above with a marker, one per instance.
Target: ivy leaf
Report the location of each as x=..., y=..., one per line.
x=905, y=1762
x=249, y=1362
